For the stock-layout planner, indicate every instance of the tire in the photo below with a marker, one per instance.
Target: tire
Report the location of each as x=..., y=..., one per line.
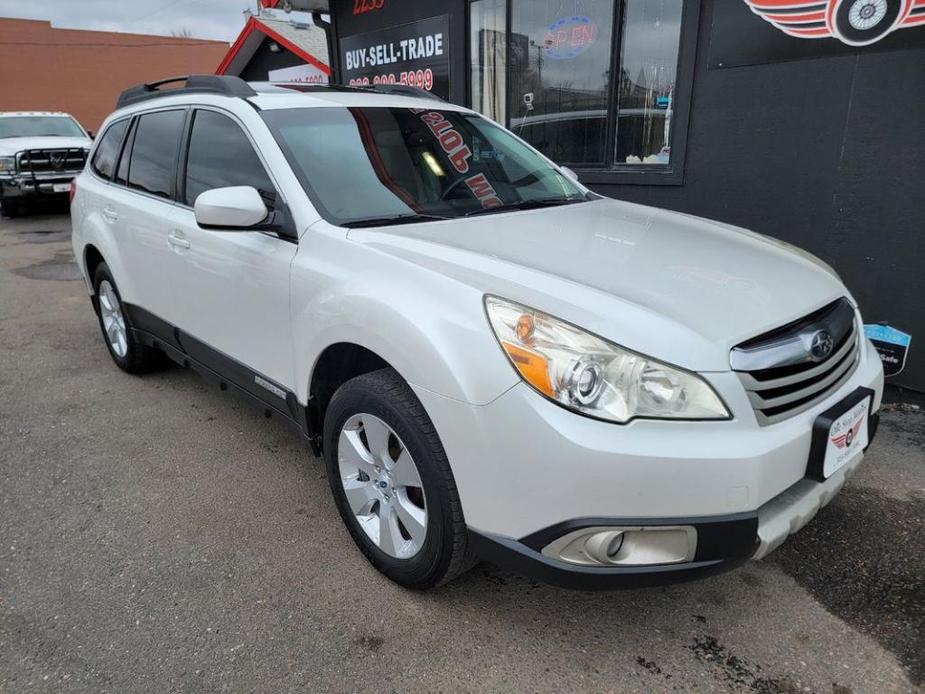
x=128, y=354
x=384, y=398
x=11, y=208
x=860, y=22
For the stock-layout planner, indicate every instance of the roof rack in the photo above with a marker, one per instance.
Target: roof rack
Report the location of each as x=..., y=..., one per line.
x=199, y=84
x=307, y=87
x=402, y=90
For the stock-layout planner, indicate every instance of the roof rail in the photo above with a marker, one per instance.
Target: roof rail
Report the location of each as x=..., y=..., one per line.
x=401, y=90
x=199, y=84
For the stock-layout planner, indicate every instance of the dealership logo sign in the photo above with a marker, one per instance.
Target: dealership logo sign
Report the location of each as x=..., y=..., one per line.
x=569, y=36
x=853, y=22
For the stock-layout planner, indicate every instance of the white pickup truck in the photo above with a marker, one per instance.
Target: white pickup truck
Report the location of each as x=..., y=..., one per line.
x=40, y=154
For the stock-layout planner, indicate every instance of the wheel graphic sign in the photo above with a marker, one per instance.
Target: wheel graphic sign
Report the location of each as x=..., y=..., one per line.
x=853, y=22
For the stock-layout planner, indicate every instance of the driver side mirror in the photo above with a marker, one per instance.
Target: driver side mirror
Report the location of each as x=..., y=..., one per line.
x=238, y=208
x=568, y=172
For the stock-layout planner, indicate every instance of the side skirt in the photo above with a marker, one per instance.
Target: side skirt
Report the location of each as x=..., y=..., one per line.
x=219, y=369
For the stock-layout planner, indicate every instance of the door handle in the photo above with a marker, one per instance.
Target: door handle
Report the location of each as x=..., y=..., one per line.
x=110, y=215
x=177, y=239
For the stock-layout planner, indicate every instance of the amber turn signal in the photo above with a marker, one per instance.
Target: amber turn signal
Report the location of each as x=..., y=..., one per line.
x=534, y=368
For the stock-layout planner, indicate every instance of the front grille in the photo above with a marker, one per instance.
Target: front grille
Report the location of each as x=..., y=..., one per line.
x=781, y=374
x=52, y=160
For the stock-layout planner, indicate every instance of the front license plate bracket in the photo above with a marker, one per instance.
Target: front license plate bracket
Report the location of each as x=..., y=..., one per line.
x=815, y=468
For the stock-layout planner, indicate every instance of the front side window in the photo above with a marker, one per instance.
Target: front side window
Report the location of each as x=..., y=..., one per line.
x=220, y=156
x=40, y=126
x=104, y=160
x=376, y=163
x=154, y=152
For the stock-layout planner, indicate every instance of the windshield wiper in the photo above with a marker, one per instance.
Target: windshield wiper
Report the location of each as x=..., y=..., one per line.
x=527, y=205
x=394, y=220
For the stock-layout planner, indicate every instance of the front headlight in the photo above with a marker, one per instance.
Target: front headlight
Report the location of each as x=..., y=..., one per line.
x=7, y=164
x=595, y=377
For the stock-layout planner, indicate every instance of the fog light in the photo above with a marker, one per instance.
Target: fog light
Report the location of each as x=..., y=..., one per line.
x=625, y=546
x=604, y=546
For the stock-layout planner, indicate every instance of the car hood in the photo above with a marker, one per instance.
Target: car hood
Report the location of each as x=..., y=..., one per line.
x=671, y=285
x=12, y=145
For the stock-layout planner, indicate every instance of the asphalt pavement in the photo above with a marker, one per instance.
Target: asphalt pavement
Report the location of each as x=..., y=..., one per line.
x=157, y=534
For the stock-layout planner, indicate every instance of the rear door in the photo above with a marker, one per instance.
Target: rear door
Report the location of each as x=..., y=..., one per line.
x=138, y=205
x=233, y=290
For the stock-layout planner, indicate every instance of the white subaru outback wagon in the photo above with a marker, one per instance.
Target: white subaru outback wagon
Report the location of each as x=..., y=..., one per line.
x=494, y=362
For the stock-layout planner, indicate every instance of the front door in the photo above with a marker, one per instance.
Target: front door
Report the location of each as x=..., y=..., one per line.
x=231, y=287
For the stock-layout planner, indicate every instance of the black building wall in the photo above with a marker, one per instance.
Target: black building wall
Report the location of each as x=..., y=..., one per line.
x=827, y=154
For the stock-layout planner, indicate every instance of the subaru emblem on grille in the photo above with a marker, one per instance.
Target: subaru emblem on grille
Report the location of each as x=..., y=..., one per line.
x=821, y=345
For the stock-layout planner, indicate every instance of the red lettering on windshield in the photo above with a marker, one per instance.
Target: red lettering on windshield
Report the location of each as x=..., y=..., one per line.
x=483, y=190
x=451, y=142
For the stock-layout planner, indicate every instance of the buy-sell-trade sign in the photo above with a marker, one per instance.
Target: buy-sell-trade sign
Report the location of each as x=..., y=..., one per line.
x=892, y=345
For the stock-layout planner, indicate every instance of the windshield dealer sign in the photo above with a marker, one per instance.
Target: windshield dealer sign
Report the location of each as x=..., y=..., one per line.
x=415, y=54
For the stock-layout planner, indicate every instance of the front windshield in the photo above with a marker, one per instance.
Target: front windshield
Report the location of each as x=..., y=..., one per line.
x=39, y=126
x=381, y=163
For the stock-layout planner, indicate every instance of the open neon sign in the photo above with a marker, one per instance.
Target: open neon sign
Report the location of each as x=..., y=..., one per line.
x=569, y=36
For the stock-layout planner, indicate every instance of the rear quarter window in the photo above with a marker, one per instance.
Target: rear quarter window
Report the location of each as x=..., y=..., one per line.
x=104, y=159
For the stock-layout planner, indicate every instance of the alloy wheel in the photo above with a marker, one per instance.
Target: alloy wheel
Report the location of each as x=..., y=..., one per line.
x=113, y=320
x=383, y=486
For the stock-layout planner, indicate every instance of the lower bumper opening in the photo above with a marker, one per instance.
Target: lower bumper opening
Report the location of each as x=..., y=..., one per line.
x=612, y=553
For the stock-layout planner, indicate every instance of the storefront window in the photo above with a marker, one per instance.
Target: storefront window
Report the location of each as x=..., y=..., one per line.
x=648, y=72
x=557, y=83
x=488, y=57
x=560, y=57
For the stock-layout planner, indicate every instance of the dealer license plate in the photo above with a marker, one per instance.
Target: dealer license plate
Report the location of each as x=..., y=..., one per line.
x=840, y=434
x=847, y=437
x=61, y=187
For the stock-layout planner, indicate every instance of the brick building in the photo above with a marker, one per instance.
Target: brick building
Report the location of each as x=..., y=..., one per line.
x=82, y=72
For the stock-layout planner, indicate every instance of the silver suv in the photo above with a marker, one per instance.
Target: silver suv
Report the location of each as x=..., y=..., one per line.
x=494, y=361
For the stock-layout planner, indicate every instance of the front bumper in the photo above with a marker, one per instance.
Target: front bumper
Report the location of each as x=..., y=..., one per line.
x=36, y=185
x=723, y=542
x=524, y=465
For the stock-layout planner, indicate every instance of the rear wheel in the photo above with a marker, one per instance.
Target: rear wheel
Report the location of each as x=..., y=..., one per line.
x=392, y=482
x=126, y=351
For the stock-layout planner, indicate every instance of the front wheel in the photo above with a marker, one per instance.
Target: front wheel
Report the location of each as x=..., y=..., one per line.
x=392, y=482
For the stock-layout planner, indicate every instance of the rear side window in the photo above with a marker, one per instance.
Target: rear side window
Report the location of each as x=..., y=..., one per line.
x=220, y=155
x=154, y=152
x=104, y=161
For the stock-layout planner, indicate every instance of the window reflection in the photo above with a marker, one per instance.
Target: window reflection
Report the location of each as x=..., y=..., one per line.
x=560, y=57
x=648, y=70
x=488, y=21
